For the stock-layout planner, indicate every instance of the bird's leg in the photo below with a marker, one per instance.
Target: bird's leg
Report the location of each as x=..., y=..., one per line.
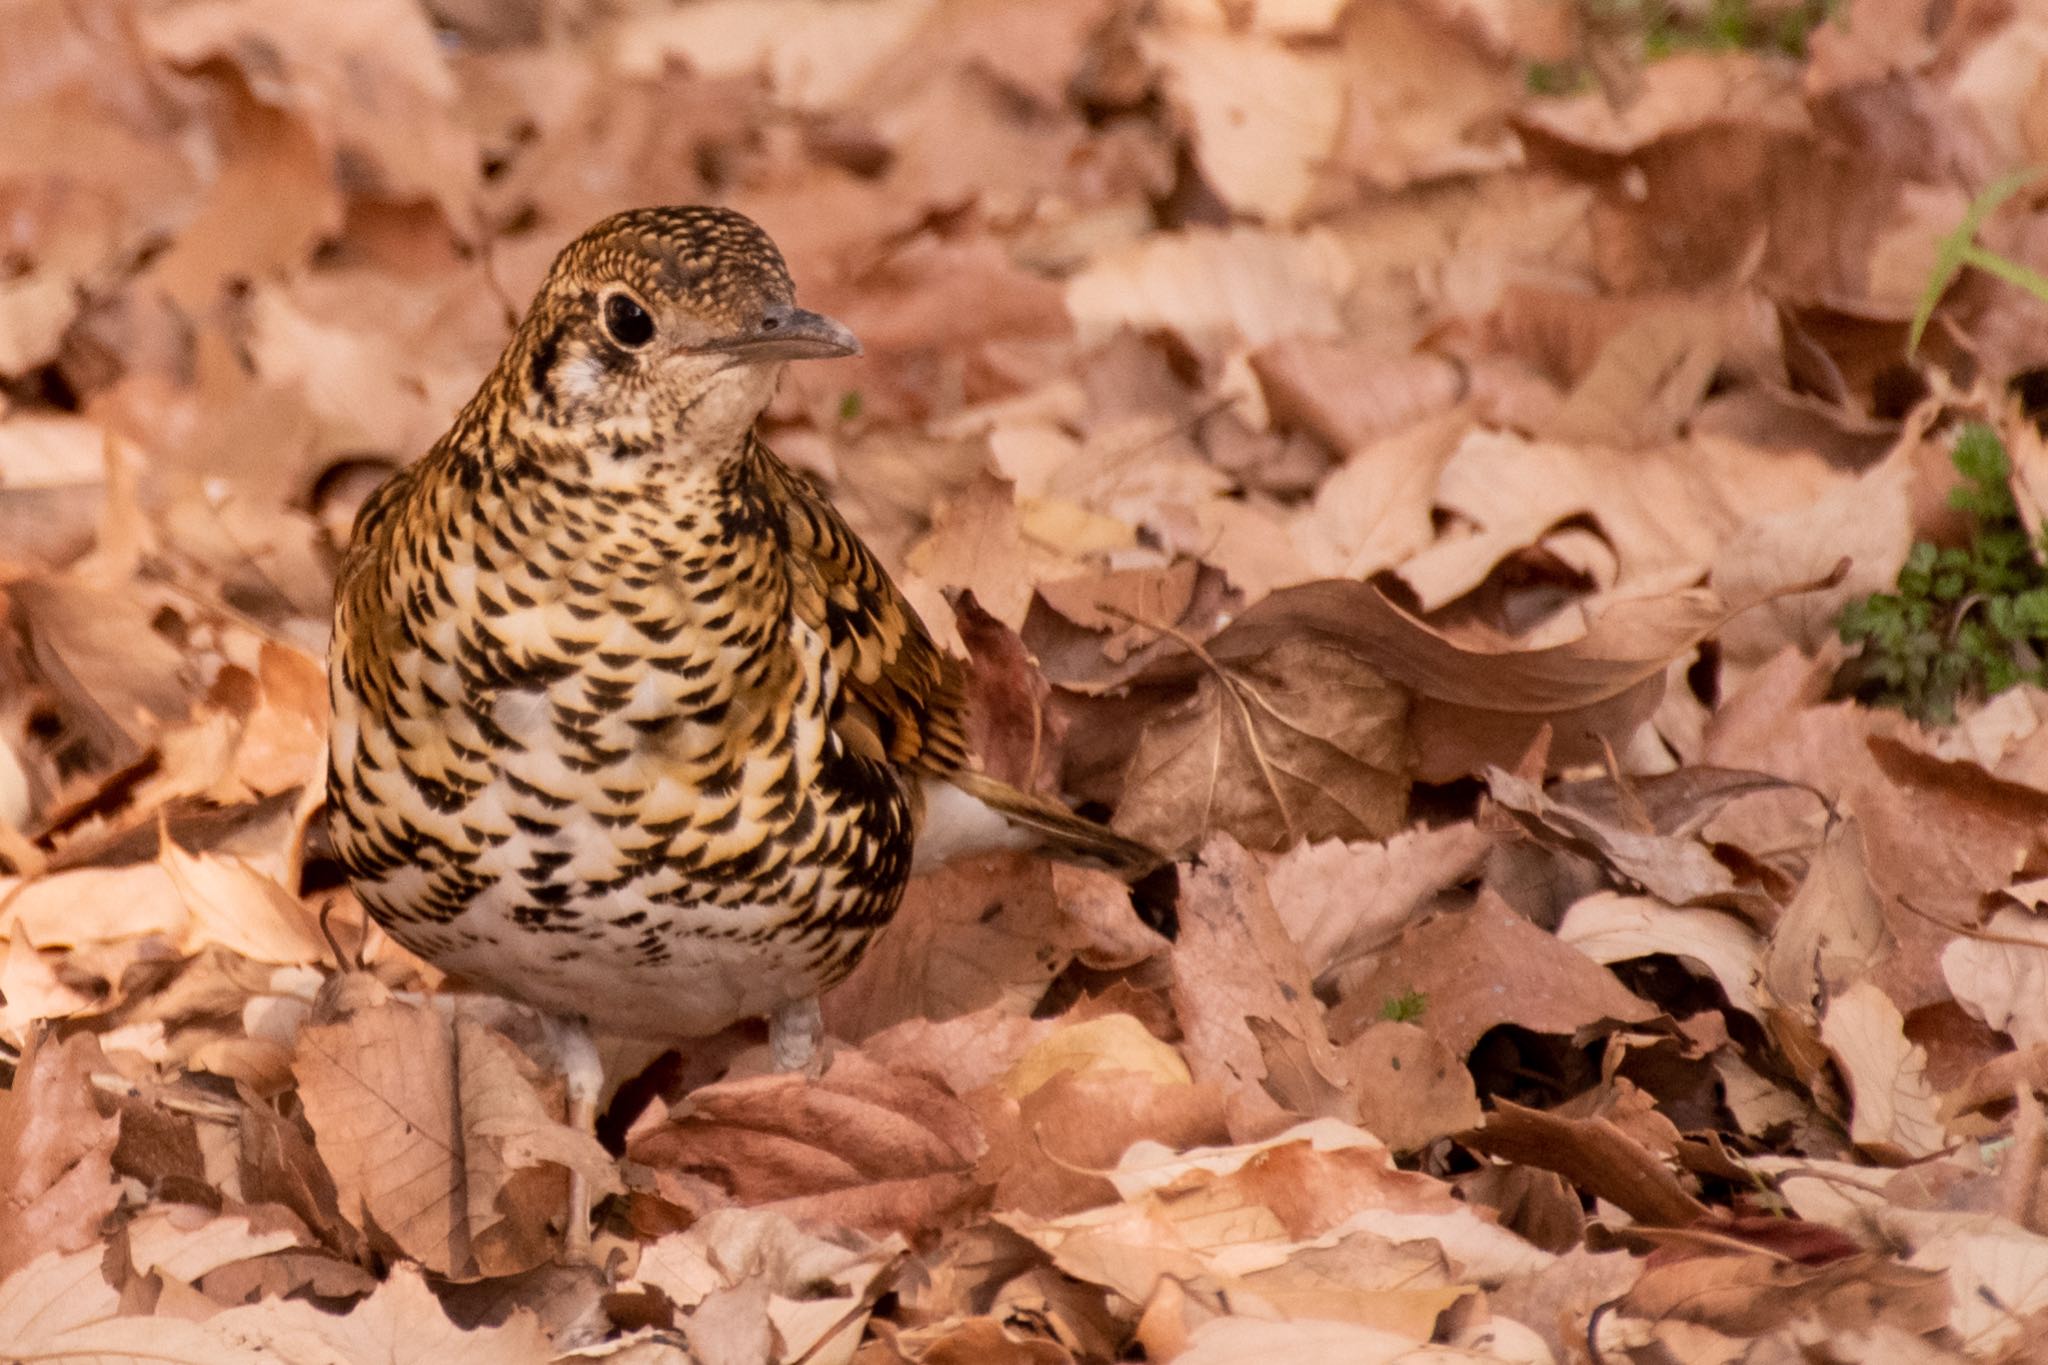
x=796, y=1037
x=583, y=1070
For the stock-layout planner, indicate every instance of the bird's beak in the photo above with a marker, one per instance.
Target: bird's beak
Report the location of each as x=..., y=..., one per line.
x=787, y=332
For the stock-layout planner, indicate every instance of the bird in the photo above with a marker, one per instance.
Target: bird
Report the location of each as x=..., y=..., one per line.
x=627, y=723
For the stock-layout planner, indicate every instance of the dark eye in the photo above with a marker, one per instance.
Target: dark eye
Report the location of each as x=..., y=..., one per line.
x=627, y=322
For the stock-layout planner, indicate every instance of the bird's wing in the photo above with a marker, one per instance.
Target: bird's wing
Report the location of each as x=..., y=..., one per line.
x=897, y=686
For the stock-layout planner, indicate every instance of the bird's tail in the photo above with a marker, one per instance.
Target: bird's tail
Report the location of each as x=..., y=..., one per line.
x=1046, y=825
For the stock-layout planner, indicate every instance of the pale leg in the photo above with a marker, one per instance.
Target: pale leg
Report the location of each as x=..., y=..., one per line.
x=796, y=1037
x=583, y=1070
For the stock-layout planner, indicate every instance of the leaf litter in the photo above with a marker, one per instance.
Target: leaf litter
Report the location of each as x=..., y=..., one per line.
x=1404, y=458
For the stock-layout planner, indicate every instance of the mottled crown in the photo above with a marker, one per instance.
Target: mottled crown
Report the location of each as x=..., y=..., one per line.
x=719, y=260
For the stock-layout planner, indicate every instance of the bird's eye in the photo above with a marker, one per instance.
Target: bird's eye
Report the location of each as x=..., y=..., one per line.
x=627, y=322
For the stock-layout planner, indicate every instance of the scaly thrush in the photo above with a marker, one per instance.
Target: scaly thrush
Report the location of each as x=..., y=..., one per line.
x=627, y=722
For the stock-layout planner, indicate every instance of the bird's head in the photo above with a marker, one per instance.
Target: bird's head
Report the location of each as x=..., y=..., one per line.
x=661, y=331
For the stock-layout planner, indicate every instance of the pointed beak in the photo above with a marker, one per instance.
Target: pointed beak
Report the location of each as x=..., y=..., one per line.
x=787, y=332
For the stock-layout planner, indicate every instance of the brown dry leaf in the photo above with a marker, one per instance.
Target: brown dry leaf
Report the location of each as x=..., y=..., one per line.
x=1103, y=915
x=809, y=1292
x=966, y=1052
x=979, y=543
x=1202, y=1221
x=278, y=1164
x=379, y=1091
x=1832, y=931
x=1314, y=1180
x=267, y=209
x=1046, y=1149
x=1298, y=743
x=92, y=905
x=1075, y=1103
x=814, y=53
x=96, y=646
x=237, y=907
x=1228, y=1341
x=1680, y=870
x=2000, y=981
x=975, y=1341
x=402, y=1322
x=1478, y=705
x=283, y=743
x=46, y=1296
x=1010, y=728
x=1665, y=511
x=371, y=80
x=1754, y=1294
x=1374, y=510
x=60, y=1308
x=1234, y=963
x=1356, y=396
x=1339, y=901
x=1869, y=42
x=188, y=1243
x=1265, y=115
x=1427, y=96
x=1085, y=634
x=1867, y=521
x=1479, y=968
x=1609, y=927
x=1895, y=1110
x=56, y=450
x=1047, y=1308
x=1216, y=291
x=1996, y=1275
x=1644, y=383
x=1757, y=1103
x=980, y=932
x=35, y=311
x=436, y=1138
x=1408, y=1088
x=31, y=990
x=57, y=1149
x=1106, y=1042
x=1934, y=833
x=1593, y=1154
x=865, y=1147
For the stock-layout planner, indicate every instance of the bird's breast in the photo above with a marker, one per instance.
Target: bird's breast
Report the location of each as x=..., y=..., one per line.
x=599, y=691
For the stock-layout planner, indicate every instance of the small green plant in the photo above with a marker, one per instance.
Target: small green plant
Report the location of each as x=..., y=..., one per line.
x=1733, y=25
x=1404, y=1008
x=1960, y=250
x=1557, y=78
x=1966, y=621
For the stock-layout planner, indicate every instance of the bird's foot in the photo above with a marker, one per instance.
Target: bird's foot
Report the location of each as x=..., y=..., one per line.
x=583, y=1070
x=796, y=1038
